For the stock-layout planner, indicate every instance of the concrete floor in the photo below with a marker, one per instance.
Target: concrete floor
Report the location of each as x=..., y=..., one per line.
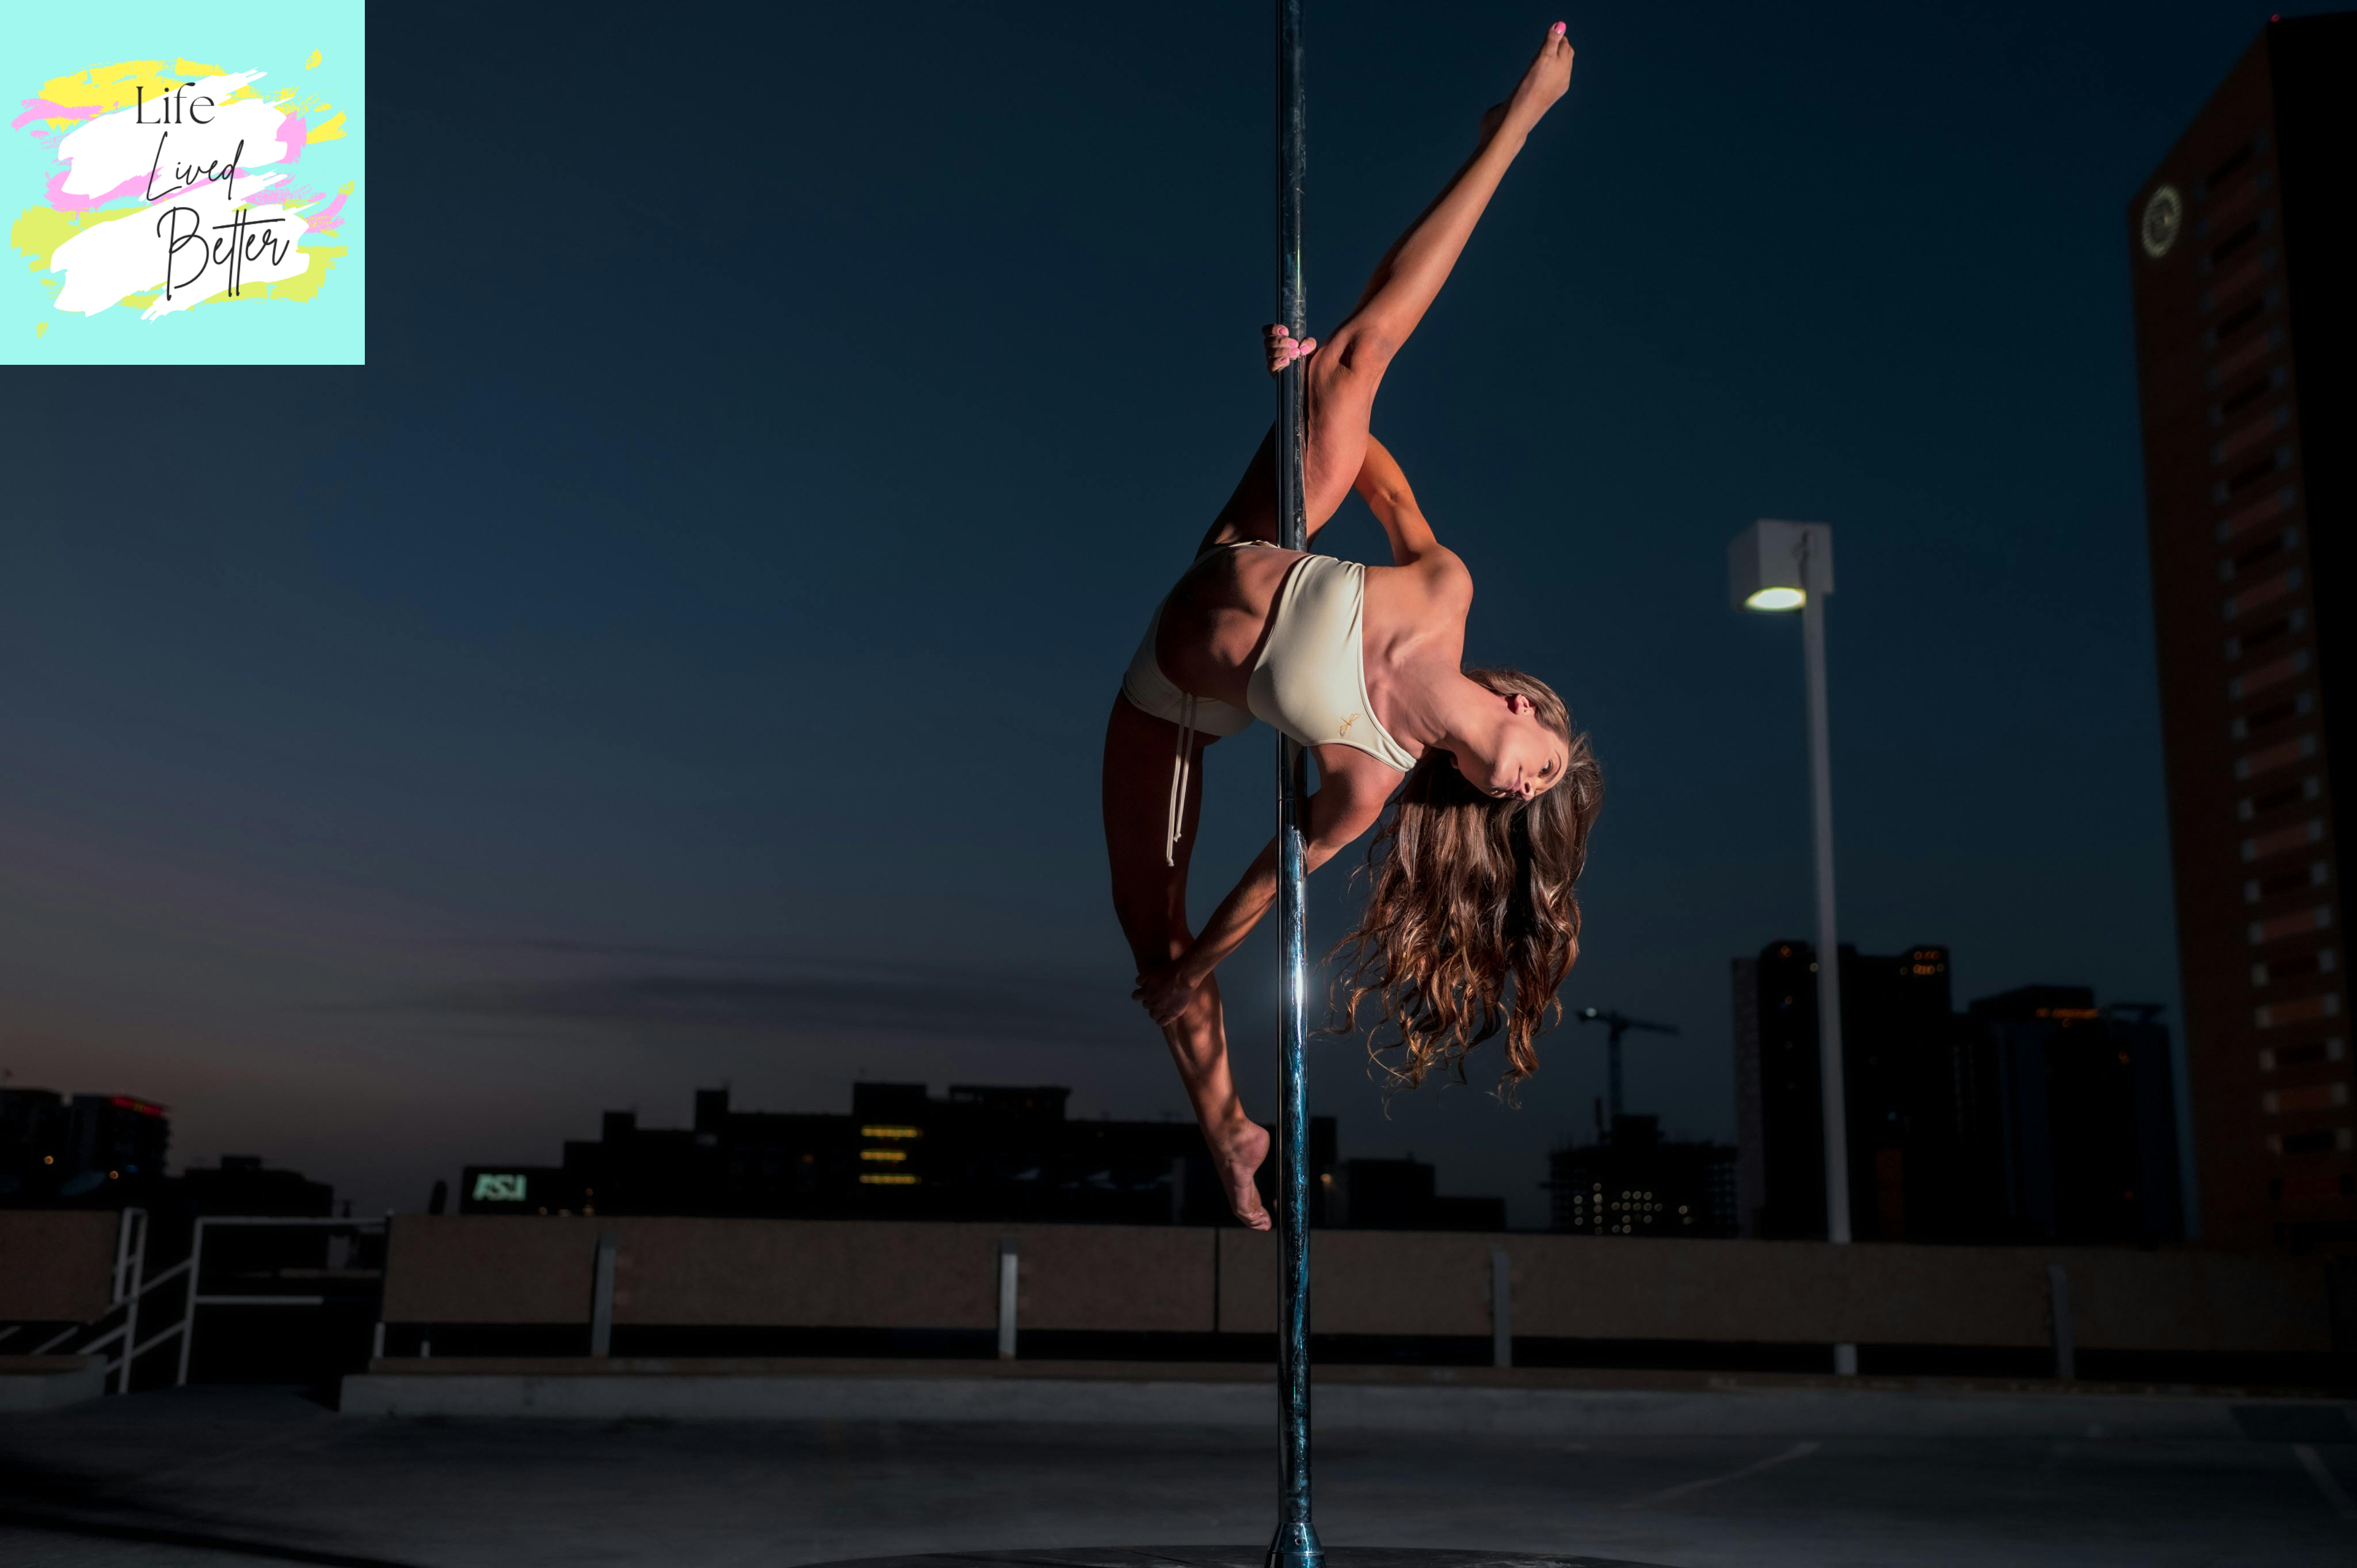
x=202, y=1477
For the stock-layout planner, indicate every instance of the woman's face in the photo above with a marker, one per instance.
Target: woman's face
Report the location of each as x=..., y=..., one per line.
x=1530, y=757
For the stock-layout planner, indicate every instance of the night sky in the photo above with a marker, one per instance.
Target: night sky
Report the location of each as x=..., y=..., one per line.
x=681, y=655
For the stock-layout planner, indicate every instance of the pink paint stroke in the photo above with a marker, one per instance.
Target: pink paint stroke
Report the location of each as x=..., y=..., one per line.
x=42, y=108
x=292, y=135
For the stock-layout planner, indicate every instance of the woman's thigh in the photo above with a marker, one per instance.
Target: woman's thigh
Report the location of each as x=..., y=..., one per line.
x=1149, y=896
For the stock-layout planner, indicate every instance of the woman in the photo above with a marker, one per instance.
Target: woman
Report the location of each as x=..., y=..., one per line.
x=1361, y=665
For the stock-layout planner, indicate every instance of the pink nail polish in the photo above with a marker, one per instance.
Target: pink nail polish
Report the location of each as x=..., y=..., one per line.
x=1559, y=29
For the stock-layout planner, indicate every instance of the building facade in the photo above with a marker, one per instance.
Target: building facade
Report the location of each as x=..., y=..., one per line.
x=2068, y=1117
x=105, y=1150
x=1898, y=1064
x=1401, y=1194
x=2242, y=244
x=1634, y=1182
x=977, y=1153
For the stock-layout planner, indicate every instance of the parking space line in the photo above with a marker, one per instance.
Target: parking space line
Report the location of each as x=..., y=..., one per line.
x=1798, y=1451
x=2313, y=1462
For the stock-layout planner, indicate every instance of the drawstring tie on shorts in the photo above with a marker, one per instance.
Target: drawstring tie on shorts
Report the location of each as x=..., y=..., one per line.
x=1174, y=827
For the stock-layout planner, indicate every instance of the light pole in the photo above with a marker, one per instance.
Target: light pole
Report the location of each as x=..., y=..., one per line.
x=1777, y=565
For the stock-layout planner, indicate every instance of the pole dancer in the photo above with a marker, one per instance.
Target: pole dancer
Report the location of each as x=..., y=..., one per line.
x=1472, y=870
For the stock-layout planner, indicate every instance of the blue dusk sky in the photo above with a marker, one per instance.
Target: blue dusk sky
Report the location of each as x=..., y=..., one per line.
x=681, y=655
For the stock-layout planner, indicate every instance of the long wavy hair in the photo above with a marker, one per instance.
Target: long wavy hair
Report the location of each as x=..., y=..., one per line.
x=1468, y=893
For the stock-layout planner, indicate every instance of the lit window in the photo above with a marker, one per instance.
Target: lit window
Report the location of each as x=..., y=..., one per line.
x=888, y=1156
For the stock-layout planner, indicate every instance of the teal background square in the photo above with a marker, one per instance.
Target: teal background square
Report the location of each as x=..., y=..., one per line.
x=273, y=35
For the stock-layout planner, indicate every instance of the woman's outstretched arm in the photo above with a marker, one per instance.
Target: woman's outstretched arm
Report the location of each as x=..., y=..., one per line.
x=1348, y=801
x=1384, y=487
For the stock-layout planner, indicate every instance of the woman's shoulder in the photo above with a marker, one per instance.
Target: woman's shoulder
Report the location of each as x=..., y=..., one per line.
x=1421, y=597
x=1437, y=573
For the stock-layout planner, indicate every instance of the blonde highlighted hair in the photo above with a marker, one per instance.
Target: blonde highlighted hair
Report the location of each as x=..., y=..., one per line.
x=1470, y=895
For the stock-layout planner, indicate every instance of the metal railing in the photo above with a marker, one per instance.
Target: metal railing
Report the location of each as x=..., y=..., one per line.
x=114, y=1334
x=186, y=1327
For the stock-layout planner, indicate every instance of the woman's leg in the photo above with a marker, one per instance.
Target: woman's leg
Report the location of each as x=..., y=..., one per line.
x=1151, y=899
x=1349, y=364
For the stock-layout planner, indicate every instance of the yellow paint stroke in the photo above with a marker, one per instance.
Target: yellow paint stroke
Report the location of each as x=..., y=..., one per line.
x=40, y=230
x=115, y=86
x=301, y=288
x=107, y=87
x=333, y=130
x=312, y=64
x=40, y=328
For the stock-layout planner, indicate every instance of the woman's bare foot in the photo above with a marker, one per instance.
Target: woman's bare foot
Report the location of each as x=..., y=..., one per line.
x=1548, y=78
x=1237, y=1156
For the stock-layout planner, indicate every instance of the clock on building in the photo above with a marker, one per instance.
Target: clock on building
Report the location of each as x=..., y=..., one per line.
x=2164, y=215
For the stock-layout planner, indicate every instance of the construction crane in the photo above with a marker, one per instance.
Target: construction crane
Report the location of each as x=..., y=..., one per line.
x=1617, y=1025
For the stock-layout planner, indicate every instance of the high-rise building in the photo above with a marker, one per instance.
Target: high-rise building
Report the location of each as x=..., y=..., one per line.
x=2036, y=1115
x=1634, y=1182
x=104, y=1149
x=1897, y=1062
x=2069, y=1118
x=2242, y=245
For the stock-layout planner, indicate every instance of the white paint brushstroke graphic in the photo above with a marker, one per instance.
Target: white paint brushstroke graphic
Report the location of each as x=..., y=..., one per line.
x=129, y=255
x=114, y=150
x=188, y=229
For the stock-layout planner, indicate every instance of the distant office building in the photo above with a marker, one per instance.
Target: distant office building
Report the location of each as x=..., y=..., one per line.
x=102, y=1149
x=1898, y=1051
x=242, y=1184
x=1634, y=1182
x=2036, y=1115
x=2242, y=245
x=2069, y=1113
x=1402, y=1195
x=980, y=1153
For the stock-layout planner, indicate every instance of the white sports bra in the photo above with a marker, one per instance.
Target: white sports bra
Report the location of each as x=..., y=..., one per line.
x=1310, y=681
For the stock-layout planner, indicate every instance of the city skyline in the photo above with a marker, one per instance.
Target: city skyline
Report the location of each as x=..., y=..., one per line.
x=543, y=751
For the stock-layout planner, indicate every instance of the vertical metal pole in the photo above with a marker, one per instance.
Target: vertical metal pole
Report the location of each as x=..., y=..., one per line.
x=2066, y=1339
x=1501, y=1308
x=137, y=1287
x=601, y=1298
x=1829, y=1030
x=1295, y=1543
x=189, y=1313
x=1009, y=1295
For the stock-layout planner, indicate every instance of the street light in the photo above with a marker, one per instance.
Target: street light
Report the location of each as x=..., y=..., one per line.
x=1776, y=566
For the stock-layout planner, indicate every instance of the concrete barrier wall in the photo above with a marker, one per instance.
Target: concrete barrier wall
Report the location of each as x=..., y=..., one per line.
x=57, y=1265
x=2167, y=1301
x=1778, y=1292
x=806, y=1273
x=819, y=1273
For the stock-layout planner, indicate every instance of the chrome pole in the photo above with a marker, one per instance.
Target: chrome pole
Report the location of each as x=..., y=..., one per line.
x=1296, y=1545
